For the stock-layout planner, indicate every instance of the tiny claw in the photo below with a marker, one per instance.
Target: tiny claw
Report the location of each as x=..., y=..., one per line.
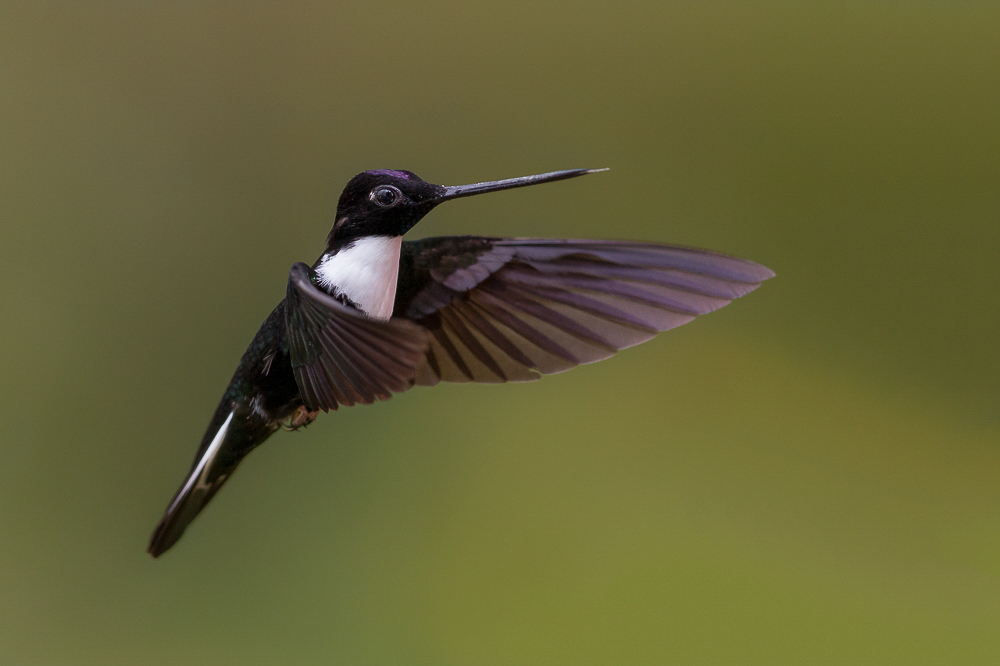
x=300, y=418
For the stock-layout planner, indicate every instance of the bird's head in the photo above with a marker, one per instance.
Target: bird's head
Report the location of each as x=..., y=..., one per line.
x=382, y=202
x=386, y=202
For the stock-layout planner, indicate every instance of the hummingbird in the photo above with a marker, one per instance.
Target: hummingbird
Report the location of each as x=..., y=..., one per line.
x=376, y=315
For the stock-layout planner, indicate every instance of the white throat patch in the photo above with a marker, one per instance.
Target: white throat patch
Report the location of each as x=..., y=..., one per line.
x=366, y=273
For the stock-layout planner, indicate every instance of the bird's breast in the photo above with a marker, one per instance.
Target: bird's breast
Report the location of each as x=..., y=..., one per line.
x=366, y=272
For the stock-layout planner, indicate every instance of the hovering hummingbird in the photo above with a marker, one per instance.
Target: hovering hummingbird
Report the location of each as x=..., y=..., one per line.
x=376, y=315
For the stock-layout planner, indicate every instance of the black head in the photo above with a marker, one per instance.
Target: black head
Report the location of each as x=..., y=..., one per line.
x=384, y=202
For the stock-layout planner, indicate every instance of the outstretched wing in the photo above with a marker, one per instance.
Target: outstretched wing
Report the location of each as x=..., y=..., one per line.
x=500, y=310
x=341, y=357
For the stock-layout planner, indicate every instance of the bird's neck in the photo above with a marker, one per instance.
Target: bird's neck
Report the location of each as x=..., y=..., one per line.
x=364, y=270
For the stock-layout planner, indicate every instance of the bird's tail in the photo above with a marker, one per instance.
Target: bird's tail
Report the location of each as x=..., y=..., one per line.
x=230, y=437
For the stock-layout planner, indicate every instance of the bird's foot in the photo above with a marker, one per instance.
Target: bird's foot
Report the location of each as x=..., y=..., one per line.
x=300, y=418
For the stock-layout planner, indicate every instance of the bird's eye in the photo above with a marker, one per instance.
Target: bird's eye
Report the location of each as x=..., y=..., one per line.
x=386, y=196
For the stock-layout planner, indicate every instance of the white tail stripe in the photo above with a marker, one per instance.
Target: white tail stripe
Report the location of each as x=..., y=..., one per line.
x=199, y=471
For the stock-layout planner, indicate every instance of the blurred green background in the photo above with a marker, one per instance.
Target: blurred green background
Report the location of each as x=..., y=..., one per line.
x=811, y=475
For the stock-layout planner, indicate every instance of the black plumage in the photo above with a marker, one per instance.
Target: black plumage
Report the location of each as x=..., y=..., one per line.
x=466, y=309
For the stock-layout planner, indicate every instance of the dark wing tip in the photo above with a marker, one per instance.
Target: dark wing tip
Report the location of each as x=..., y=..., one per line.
x=760, y=272
x=299, y=274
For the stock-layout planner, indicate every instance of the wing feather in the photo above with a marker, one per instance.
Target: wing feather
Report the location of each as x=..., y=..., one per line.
x=341, y=357
x=498, y=310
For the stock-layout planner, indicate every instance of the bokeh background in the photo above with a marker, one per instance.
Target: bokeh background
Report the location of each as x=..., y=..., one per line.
x=810, y=475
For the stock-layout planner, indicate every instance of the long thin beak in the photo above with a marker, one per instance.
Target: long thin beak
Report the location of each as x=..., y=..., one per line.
x=457, y=191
